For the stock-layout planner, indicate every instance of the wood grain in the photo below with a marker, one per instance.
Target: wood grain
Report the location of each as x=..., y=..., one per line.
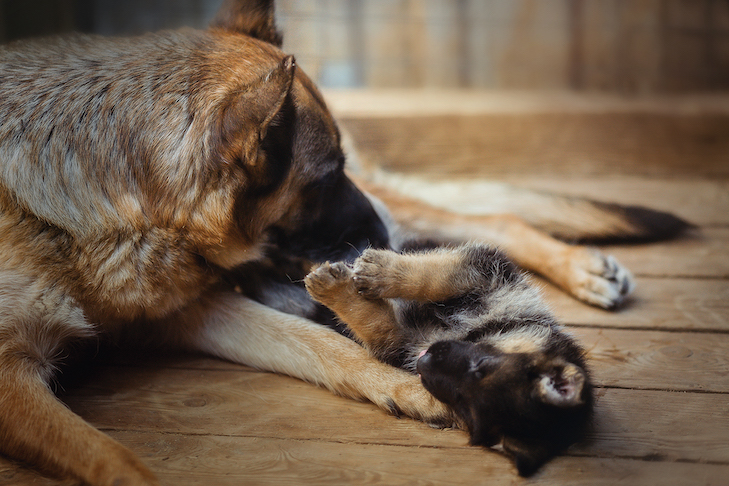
x=660, y=363
x=704, y=254
x=182, y=460
x=657, y=303
x=228, y=403
x=702, y=202
x=658, y=360
x=577, y=144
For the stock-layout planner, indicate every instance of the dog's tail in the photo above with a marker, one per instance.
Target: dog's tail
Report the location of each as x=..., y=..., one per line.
x=573, y=219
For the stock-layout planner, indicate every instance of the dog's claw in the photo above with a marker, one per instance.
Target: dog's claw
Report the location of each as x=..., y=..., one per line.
x=601, y=280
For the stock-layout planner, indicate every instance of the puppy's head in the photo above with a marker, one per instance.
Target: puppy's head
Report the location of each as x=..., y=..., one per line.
x=533, y=404
x=283, y=146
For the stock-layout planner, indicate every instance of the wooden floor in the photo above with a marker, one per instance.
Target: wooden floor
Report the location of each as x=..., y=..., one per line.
x=661, y=363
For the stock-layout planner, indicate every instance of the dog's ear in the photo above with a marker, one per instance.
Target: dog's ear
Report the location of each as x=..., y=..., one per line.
x=250, y=17
x=562, y=387
x=249, y=114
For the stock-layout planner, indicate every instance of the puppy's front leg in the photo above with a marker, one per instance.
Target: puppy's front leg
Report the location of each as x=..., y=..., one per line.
x=372, y=321
x=233, y=327
x=432, y=276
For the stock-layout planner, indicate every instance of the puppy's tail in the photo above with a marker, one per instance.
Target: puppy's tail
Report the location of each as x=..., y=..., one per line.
x=572, y=219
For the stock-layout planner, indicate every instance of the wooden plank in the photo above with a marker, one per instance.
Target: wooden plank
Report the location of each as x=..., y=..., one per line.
x=637, y=359
x=13, y=473
x=240, y=403
x=183, y=460
x=372, y=105
x=657, y=360
x=578, y=144
x=629, y=423
x=661, y=426
x=703, y=254
x=658, y=303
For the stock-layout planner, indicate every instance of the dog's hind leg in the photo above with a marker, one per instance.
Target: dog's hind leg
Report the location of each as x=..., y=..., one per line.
x=34, y=425
x=233, y=327
x=586, y=273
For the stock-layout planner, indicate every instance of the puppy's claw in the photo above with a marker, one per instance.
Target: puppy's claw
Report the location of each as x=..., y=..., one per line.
x=327, y=280
x=371, y=273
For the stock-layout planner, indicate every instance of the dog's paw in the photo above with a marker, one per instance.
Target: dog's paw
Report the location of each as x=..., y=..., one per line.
x=599, y=279
x=329, y=281
x=373, y=273
x=411, y=399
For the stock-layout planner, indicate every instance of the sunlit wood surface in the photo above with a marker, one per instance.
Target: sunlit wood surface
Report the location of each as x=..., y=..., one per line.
x=661, y=363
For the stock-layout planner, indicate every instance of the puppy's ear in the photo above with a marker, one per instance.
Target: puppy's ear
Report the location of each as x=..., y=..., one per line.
x=562, y=387
x=249, y=114
x=528, y=457
x=250, y=17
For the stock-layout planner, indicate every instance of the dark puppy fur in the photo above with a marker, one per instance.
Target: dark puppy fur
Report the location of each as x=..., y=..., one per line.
x=479, y=336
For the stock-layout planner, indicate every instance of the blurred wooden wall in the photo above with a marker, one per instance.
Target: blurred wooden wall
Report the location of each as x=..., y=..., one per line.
x=634, y=46
x=627, y=46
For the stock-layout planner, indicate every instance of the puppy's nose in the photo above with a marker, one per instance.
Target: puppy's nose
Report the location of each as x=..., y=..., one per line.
x=424, y=362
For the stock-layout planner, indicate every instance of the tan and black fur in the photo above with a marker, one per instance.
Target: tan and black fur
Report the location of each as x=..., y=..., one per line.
x=467, y=322
x=140, y=176
x=134, y=174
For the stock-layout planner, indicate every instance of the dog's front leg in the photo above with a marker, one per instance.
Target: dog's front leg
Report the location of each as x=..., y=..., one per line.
x=233, y=327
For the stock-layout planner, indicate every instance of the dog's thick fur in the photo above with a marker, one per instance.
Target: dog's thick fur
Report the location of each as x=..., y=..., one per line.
x=137, y=174
x=466, y=320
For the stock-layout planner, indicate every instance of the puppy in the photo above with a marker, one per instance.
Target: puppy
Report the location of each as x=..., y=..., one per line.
x=480, y=338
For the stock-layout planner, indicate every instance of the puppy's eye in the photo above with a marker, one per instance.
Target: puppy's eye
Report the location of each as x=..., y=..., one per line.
x=484, y=365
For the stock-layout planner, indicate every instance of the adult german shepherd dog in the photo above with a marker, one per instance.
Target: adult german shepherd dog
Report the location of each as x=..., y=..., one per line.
x=137, y=175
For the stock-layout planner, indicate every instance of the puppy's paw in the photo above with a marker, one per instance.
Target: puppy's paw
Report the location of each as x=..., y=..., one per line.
x=373, y=273
x=329, y=282
x=599, y=279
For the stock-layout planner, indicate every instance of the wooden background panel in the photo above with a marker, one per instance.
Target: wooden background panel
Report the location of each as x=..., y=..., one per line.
x=639, y=46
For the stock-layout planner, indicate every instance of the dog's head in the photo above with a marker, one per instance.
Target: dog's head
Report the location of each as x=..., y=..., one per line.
x=533, y=404
x=283, y=147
